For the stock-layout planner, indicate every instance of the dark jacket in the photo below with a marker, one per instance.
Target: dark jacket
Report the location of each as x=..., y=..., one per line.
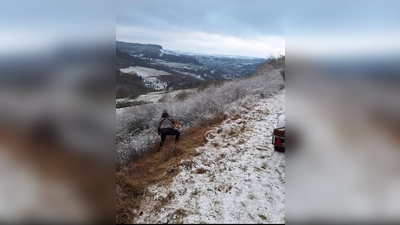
x=166, y=121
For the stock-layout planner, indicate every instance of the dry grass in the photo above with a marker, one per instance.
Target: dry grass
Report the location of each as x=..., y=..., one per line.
x=164, y=201
x=182, y=96
x=164, y=98
x=262, y=216
x=215, y=144
x=243, y=127
x=187, y=164
x=180, y=213
x=200, y=171
x=156, y=167
x=236, y=116
x=223, y=155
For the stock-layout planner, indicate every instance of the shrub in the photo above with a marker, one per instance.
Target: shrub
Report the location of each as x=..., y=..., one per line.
x=282, y=72
x=164, y=98
x=130, y=103
x=181, y=95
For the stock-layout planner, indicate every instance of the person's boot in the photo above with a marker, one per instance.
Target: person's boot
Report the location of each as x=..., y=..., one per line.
x=160, y=147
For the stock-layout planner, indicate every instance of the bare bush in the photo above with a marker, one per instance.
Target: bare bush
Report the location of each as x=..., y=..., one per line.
x=164, y=98
x=182, y=96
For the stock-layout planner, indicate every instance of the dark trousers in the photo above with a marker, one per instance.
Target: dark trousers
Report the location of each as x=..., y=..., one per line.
x=168, y=131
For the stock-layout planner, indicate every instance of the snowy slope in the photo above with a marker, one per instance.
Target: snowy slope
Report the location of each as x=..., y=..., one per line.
x=167, y=52
x=236, y=176
x=144, y=71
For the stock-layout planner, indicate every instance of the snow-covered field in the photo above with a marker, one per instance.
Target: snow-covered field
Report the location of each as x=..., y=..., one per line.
x=155, y=96
x=236, y=176
x=190, y=74
x=179, y=65
x=143, y=71
x=167, y=52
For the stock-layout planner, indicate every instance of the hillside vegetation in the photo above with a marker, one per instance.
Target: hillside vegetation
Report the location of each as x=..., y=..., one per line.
x=129, y=85
x=139, y=166
x=136, y=126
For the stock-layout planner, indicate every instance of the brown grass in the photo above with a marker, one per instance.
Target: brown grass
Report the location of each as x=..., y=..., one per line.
x=262, y=216
x=164, y=201
x=243, y=127
x=182, y=96
x=215, y=144
x=236, y=116
x=200, y=171
x=156, y=167
x=164, y=98
x=223, y=155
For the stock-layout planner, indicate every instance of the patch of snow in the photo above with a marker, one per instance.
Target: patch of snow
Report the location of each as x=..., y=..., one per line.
x=159, y=60
x=179, y=65
x=154, y=82
x=167, y=52
x=155, y=96
x=189, y=74
x=281, y=121
x=144, y=71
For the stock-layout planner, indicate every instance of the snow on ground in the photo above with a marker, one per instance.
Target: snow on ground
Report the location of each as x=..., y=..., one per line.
x=190, y=74
x=155, y=96
x=236, y=177
x=143, y=71
x=149, y=76
x=179, y=65
x=155, y=83
x=167, y=52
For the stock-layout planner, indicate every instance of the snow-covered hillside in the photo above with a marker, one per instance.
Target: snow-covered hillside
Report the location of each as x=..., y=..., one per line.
x=167, y=52
x=149, y=76
x=236, y=177
x=143, y=71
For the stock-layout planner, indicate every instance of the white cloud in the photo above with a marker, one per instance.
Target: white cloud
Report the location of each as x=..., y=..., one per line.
x=43, y=39
x=203, y=42
x=351, y=44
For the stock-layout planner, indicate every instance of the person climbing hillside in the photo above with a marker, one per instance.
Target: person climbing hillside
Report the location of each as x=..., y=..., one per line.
x=166, y=127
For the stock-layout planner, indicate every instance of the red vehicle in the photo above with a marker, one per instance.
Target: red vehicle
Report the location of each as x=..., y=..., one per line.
x=278, y=135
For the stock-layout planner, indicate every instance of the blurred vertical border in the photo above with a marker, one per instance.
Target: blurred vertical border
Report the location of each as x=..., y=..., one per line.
x=57, y=111
x=342, y=105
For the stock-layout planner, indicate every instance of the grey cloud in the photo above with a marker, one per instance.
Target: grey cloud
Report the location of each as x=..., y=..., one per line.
x=225, y=17
x=368, y=16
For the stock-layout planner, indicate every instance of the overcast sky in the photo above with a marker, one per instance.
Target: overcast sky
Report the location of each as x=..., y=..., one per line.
x=233, y=27
x=27, y=25
x=342, y=27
